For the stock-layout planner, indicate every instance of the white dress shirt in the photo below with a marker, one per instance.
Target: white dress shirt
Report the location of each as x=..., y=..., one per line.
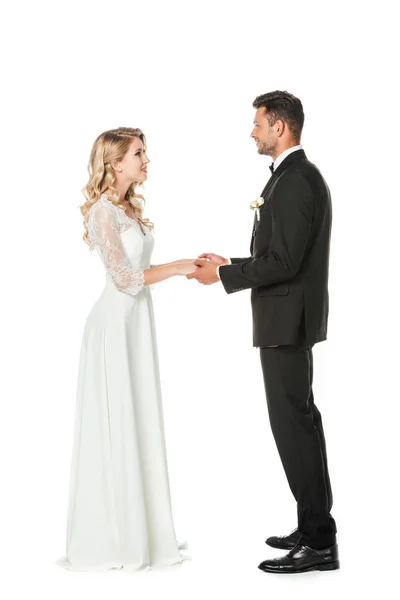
x=279, y=159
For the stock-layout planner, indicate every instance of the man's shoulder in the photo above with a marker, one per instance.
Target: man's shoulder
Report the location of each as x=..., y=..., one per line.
x=301, y=179
x=297, y=173
x=303, y=170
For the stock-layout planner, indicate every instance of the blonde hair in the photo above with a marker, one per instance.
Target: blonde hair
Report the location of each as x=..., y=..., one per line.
x=111, y=146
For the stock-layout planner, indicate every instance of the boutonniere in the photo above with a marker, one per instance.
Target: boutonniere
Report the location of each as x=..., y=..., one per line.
x=255, y=205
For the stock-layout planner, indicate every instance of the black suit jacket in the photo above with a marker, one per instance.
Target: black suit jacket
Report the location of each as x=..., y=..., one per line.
x=289, y=263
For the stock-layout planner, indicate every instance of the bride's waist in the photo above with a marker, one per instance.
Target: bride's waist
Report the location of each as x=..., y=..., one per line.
x=111, y=288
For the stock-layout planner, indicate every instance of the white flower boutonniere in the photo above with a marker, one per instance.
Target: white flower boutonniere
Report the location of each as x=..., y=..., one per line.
x=255, y=205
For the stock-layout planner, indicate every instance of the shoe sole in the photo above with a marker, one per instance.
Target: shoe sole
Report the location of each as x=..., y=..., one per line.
x=331, y=566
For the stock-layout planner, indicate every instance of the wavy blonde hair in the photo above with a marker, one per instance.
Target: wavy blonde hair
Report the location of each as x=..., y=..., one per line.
x=111, y=146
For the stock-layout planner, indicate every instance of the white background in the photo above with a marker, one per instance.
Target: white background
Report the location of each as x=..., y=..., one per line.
x=187, y=74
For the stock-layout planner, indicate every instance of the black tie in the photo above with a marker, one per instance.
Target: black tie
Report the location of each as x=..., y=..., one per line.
x=271, y=167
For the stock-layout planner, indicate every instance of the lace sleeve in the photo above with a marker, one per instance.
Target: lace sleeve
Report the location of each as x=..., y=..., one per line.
x=104, y=235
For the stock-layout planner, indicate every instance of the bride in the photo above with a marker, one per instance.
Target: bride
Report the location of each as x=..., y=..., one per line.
x=119, y=514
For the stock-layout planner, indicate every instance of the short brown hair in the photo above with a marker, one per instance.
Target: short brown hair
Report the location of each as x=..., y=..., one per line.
x=284, y=106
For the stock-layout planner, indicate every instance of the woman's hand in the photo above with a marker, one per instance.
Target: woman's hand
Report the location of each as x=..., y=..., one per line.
x=182, y=260
x=215, y=258
x=184, y=267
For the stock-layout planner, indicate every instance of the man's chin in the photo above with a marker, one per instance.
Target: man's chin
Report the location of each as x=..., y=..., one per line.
x=263, y=151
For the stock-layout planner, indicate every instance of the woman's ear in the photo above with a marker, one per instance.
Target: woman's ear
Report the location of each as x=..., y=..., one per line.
x=116, y=167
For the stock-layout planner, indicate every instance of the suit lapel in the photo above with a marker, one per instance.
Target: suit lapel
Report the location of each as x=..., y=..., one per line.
x=284, y=164
x=263, y=195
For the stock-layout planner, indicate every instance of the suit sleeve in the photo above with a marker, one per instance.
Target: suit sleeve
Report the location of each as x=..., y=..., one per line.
x=236, y=261
x=292, y=211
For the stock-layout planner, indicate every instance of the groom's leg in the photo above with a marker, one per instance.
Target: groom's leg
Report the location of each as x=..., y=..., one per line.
x=318, y=424
x=297, y=428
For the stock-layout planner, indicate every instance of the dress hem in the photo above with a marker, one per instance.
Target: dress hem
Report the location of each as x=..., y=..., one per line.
x=128, y=568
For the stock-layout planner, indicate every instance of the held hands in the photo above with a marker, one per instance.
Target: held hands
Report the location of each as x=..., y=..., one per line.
x=185, y=266
x=206, y=268
x=215, y=259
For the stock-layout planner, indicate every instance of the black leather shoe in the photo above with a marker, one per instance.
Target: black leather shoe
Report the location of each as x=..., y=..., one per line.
x=284, y=542
x=302, y=559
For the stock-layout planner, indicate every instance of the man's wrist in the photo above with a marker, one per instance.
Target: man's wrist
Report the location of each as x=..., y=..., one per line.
x=223, y=265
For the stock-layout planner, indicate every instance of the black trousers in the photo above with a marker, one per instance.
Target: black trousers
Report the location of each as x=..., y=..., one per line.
x=297, y=428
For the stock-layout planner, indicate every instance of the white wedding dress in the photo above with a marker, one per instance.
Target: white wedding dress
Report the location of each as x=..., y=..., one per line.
x=119, y=514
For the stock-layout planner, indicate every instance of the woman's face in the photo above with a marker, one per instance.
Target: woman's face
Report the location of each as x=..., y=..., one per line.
x=133, y=167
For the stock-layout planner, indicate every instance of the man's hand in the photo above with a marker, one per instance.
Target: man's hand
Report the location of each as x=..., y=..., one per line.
x=215, y=259
x=205, y=273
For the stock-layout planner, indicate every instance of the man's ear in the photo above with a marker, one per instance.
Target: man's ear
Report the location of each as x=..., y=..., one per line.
x=280, y=127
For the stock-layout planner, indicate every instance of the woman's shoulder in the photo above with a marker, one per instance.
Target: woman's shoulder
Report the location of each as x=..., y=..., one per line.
x=102, y=206
x=102, y=217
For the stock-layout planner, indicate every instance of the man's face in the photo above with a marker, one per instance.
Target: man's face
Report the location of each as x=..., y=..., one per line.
x=263, y=133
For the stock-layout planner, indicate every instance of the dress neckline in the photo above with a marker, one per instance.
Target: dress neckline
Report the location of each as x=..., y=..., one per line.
x=126, y=216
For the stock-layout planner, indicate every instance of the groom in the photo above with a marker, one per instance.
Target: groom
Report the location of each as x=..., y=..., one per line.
x=288, y=276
